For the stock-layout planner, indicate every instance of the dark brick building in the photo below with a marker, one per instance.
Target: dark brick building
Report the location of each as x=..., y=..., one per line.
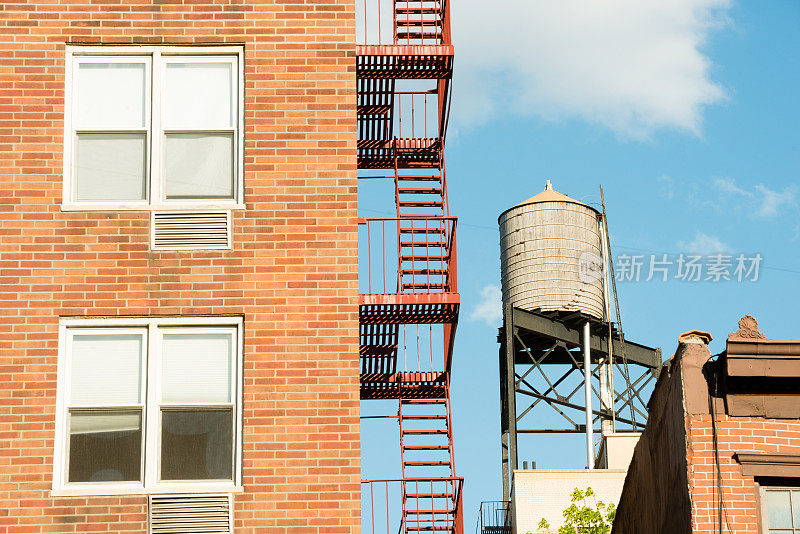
x=721, y=450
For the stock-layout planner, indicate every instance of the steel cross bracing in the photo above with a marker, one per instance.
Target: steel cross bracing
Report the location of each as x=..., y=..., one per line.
x=540, y=360
x=409, y=311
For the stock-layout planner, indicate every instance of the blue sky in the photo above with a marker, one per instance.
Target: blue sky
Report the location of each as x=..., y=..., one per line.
x=685, y=111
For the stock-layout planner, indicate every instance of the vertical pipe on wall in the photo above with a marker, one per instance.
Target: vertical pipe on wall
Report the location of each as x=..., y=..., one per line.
x=587, y=378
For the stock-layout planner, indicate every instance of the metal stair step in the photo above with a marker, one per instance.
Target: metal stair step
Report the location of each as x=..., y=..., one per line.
x=425, y=432
x=420, y=257
x=421, y=272
x=430, y=512
x=426, y=463
x=439, y=244
x=423, y=401
x=419, y=22
x=422, y=230
x=424, y=286
x=418, y=35
x=431, y=528
x=426, y=447
x=429, y=496
x=419, y=417
x=419, y=190
x=419, y=178
x=417, y=10
x=420, y=203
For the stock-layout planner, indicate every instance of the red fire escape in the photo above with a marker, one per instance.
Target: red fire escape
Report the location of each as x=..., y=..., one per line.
x=409, y=302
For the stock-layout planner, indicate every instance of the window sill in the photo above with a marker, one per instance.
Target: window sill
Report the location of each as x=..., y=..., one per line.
x=153, y=207
x=121, y=489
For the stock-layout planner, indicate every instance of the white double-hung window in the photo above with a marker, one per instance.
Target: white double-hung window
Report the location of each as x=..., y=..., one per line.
x=153, y=128
x=148, y=405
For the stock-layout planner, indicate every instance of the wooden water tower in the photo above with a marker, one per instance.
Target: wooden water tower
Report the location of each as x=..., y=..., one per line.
x=560, y=351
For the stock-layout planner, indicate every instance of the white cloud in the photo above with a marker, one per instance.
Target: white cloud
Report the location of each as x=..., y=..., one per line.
x=771, y=203
x=760, y=201
x=490, y=307
x=630, y=65
x=724, y=195
x=703, y=244
x=728, y=186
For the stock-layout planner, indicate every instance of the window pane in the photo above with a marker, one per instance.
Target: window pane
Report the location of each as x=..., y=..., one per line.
x=199, y=166
x=105, y=446
x=198, y=96
x=111, y=95
x=111, y=166
x=106, y=369
x=778, y=509
x=197, y=445
x=796, y=508
x=196, y=368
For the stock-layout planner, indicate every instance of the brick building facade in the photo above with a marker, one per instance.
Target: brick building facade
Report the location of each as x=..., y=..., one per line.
x=721, y=451
x=278, y=293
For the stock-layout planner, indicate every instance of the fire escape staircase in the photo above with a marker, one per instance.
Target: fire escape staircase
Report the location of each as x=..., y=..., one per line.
x=430, y=503
x=426, y=289
x=421, y=207
x=398, y=137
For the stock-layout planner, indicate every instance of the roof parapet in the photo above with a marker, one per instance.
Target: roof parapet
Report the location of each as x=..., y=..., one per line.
x=761, y=375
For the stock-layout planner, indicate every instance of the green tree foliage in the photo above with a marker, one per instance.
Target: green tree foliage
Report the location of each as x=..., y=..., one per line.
x=586, y=515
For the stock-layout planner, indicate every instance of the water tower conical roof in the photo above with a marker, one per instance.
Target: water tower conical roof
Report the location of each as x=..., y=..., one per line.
x=548, y=195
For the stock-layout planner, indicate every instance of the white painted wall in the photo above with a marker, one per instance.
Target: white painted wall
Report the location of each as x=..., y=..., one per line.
x=620, y=449
x=545, y=493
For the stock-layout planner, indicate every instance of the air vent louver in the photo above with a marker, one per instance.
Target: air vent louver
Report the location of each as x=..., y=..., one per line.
x=170, y=514
x=188, y=230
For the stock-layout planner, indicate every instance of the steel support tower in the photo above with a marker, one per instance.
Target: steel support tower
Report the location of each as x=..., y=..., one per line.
x=552, y=363
x=409, y=302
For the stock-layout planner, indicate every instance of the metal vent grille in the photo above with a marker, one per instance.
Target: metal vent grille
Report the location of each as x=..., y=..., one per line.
x=170, y=514
x=184, y=230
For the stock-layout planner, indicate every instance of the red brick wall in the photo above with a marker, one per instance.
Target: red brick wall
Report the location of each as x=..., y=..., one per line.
x=292, y=273
x=735, y=434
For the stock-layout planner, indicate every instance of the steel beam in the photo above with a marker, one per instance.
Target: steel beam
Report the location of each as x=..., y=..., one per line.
x=556, y=330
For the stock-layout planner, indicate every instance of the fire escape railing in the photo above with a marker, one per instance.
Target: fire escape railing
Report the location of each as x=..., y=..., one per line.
x=380, y=516
x=389, y=264
x=417, y=115
x=408, y=126
x=494, y=517
x=403, y=22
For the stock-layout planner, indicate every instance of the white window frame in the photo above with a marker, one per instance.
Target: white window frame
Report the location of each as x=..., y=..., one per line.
x=153, y=329
x=762, y=497
x=157, y=58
